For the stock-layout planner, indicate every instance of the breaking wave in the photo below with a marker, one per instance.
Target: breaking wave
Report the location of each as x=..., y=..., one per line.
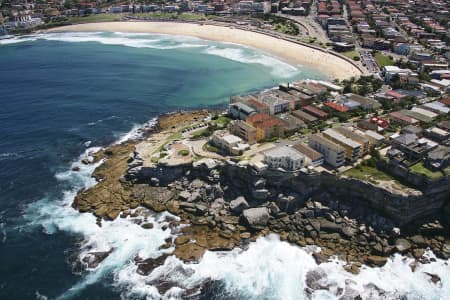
x=267, y=269
x=228, y=51
x=248, y=56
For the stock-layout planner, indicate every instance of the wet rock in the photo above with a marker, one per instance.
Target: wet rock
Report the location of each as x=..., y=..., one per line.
x=180, y=240
x=320, y=257
x=328, y=226
x=189, y=252
x=377, y=261
x=93, y=259
x=260, y=183
x=256, y=218
x=238, y=205
x=147, y=225
x=146, y=266
x=315, y=280
x=348, y=231
x=76, y=169
x=402, y=245
x=418, y=240
x=184, y=195
x=433, y=277
x=418, y=253
x=245, y=235
x=261, y=194
x=85, y=161
x=113, y=214
x=201, y=209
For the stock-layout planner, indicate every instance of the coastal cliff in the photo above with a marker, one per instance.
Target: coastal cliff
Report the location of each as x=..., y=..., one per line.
x=227, y=204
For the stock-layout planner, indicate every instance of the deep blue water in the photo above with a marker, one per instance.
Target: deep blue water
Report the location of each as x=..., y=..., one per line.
x=59, y=93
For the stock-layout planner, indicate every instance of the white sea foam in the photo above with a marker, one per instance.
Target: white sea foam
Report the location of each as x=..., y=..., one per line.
x=247, y=56
x=9, y=155
x=136, y=132
x=268, y=269
x=161, y=41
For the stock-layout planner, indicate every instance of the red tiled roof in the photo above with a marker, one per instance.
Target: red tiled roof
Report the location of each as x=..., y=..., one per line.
x=403, y=117
x=256, y=104
x=336, y=106
x=395, y=94
x=445, y=101
x=315, y=111
x=263, y=121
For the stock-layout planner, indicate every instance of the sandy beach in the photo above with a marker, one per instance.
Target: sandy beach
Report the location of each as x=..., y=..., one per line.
x=328, y=64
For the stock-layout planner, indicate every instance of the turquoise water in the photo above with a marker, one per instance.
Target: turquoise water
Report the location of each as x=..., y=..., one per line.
x=63, y=95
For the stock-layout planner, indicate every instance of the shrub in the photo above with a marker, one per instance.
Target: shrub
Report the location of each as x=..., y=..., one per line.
x=183, y=152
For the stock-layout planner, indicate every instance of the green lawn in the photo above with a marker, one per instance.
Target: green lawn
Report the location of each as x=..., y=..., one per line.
x=383, y=60
x=221, y=121
x=351, y=54
x=95, y=18
x=419, y=168
x=184, y=16
x=368, y=173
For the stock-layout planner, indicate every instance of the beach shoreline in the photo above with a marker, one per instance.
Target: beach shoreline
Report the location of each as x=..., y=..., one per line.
x=328, y=64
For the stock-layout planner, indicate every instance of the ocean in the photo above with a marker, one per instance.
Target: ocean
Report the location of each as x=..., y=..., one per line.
x=64, y=95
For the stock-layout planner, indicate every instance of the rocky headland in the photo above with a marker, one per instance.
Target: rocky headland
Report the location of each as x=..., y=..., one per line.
x=227, y=204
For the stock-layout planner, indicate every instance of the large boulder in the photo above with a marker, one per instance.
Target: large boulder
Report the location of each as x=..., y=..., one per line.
x=238, y=205
x=402, y=245
x=256, y=218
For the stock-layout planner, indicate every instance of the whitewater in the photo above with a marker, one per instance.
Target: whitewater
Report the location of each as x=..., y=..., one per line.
x=238, y=53
x=265, y=269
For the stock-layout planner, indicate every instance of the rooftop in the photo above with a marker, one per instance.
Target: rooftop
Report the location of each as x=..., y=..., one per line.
x=318, y=137
x=308, y=151
x=341, y=138
x=284, y=151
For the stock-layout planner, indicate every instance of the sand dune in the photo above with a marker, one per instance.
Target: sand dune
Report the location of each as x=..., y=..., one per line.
x=326, y=63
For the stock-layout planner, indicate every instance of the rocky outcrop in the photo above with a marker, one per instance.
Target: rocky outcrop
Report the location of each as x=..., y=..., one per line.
x=356, y=221
x=256, y=218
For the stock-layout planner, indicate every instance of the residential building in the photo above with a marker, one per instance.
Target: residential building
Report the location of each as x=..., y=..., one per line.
x=316, y=112
x=400, y=118
x=437, y=134
x=244, y=130
x=266, y=126
x=365, y=102
x=356, y=137
x=414, y=148
x=374, y=138
x=240, y=110
x=276, y=104
x=352, y=148
x=314, y=158
x=284, y=157
x=291, y=123
x=438, y=158
x=307, y=118
x=230, y=143
x=333, y=153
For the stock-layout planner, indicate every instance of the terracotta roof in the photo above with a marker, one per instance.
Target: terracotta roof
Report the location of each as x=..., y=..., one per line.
x=445, y=101
x=336, y=106
x=403, y=117
x=315, y=111
x=256, y=104
x=263, y=121
x=395, y=94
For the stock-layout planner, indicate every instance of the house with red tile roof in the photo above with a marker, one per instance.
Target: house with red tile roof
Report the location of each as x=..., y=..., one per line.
x=266, y=126
x=316, y=112
x=336, y=106
x=398, y=117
